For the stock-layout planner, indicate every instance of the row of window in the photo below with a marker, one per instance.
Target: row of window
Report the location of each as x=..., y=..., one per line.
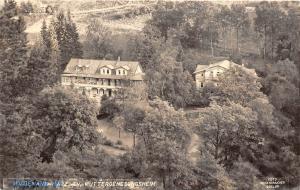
x=101, y=92
x=211, y=74
x=106, y=71
x=88, y=80
x=202, y=84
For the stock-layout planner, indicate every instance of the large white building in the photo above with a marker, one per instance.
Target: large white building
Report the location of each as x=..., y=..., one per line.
x=98, y=77
x=208, y=74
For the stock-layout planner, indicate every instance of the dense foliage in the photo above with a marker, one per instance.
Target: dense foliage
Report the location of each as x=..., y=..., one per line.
x=247, y=126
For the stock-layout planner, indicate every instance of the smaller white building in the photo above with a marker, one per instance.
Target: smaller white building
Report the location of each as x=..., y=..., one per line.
x=208, y=74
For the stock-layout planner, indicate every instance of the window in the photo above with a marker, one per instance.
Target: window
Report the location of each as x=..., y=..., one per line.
x=108, y=82
x=119, y=72
x=101, y=92
x=201, y=84
x=107, y=71
x=202, y=74
x=123, y=72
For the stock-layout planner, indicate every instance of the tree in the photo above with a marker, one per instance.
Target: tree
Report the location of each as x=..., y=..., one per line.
x=133, y=116
x=281, y=84
x=98, y=42
x=268, y=23
x=39, y=73
x=20, y=145
x=167, y=16
x=73, y=37
x=147, y=47
x=165, y=137
x=64, y=119
x=168, y=80
x=65, y=39
x=237, y=85
x=26, y=7
x=224, y=18
x=109, y=107
x=240, y=21
x=292, y=24
x=46, y=38
x=244, y=174
x=229, y=132
x=13, y=53
x=212, y=175
x=201, y=29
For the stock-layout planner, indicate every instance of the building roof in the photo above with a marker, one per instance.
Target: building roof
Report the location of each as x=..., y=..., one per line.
x=225, y=64
x=91, y=66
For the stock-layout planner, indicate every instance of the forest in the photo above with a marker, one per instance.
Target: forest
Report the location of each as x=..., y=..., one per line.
x=248, y=128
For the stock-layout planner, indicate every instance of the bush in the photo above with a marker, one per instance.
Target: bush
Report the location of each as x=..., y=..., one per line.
x=109, y=108
x=119, y=142
x=108, y=143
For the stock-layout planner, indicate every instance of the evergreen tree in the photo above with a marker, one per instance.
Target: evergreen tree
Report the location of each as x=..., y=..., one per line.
x=73, y=37
x=46, y=38
x=39, y=73
x=13, y=48
x=64, y=35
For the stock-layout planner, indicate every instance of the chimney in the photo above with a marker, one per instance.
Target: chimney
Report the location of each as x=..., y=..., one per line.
x=119, y=59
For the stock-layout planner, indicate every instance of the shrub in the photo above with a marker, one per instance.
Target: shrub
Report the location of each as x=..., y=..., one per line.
x=119, y=142
x=108, y=143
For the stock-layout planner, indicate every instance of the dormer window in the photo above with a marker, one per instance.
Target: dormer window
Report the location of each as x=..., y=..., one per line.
x=106, y=69
x=80, y=68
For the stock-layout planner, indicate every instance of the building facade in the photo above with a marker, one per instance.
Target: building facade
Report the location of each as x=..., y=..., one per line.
x=209, y=74
x=96, y=78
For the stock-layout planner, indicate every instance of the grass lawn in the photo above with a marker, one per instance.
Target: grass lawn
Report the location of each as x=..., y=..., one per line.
x=112, y=134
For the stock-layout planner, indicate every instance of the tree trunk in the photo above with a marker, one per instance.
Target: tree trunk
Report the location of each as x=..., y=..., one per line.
x=217, y=143
x=265, y=42
x=134, y=139
x=237, y=40
x=211, y=46
x=225, y=39
x=272, y=43
x=231, y=43
x=164, y=181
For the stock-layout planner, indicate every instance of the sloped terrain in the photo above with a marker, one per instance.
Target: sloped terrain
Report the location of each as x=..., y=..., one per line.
x=120, y=16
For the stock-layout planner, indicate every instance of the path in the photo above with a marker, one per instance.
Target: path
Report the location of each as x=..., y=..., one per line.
x=193, y=149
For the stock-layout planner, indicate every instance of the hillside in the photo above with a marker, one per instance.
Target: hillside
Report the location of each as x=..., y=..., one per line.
x=120, y=16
